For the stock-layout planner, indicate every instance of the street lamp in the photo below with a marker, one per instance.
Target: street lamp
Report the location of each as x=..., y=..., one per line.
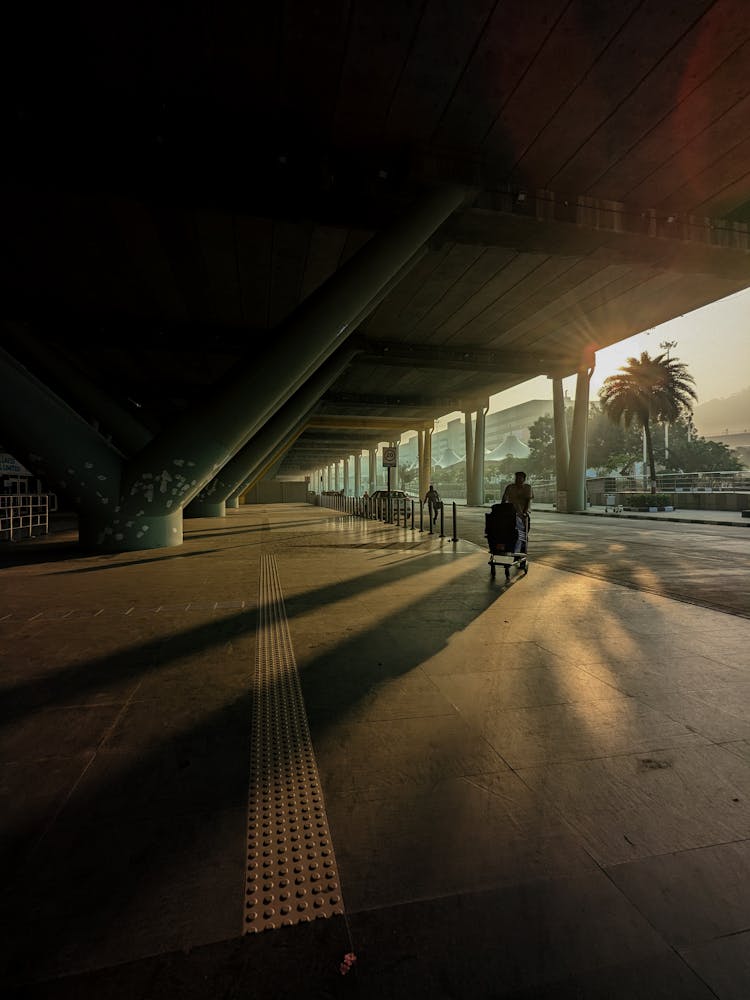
x=667, y=345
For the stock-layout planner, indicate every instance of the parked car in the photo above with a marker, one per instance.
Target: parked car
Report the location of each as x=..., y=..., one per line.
x=397, y=496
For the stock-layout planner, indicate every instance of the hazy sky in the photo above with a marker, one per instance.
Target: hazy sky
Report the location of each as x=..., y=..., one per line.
x=714, y=342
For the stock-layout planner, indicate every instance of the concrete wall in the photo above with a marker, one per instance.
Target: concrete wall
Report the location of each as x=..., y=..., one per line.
x=274, y=491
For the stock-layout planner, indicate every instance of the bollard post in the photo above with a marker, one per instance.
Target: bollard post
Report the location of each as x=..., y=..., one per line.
x=442, y=520
x=412, y=515
x=455, y=536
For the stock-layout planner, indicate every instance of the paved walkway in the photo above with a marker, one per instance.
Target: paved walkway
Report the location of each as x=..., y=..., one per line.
x=534, y=790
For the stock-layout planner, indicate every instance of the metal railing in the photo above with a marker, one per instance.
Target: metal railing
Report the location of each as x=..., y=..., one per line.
x=23, y=514
x=399, y=511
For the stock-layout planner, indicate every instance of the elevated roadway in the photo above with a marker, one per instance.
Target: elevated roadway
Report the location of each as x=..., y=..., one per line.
x=224, y=171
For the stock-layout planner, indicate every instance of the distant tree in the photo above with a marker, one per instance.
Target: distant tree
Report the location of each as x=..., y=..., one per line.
x=407, y=474
x=541, y=460
x=501, y=470
x=454, y=475
x=610, y=447
x=645, y=390
x=688, y=452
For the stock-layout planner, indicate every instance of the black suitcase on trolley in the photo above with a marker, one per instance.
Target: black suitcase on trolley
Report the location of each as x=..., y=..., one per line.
x=500, y=528
x=506, y=538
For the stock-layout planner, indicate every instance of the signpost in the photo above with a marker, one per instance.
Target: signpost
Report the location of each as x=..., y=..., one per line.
x=390, y=461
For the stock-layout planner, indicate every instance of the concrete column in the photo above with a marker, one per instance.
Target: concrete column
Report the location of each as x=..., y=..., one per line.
x=89, y=400
x=233, y=503
x=59, y=446
x=232, y=480
x=427, y=459
x=562, y=454
x=141, y=505
x=577, y=464
x=271, y=456
x=336, y=470
x=372, y=470
x=268, y=467
x=358, y=474
x=299, y=345
x=477, y=466
x=420, y=464
x=345, y=483
x=469, y=443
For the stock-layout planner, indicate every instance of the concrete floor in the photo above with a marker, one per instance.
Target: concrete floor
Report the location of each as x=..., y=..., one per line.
x=533, y=790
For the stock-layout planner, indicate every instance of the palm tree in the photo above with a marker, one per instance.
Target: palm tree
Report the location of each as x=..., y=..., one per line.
x=647, y=389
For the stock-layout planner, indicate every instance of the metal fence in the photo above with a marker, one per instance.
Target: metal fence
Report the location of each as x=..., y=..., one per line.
x=23, y=515
x=545, y=490
x=400, y=511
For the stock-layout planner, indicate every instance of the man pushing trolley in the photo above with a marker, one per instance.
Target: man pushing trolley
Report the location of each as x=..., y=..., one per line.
x=507, y=527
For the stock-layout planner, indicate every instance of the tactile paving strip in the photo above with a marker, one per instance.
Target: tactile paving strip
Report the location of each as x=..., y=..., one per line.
x=292, y=875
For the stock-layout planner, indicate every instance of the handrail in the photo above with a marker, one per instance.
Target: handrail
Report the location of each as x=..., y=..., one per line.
x=22, y=512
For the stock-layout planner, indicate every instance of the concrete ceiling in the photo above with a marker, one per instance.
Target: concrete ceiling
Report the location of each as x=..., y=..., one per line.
x=181, y=177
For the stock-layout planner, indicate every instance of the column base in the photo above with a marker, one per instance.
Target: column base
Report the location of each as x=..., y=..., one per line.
x=233, y=503
x=204, y=508
x=128, y=532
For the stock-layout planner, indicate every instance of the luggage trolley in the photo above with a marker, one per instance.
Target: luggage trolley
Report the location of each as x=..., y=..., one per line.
x=507, y=538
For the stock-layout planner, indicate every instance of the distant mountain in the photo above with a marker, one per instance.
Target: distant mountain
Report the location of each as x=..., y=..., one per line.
x=721, y=416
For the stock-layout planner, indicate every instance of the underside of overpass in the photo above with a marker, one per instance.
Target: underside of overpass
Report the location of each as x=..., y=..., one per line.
x=224, y=231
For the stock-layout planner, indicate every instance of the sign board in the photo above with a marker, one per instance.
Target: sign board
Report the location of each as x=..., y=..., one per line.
x=10, y=467
x=390, y=458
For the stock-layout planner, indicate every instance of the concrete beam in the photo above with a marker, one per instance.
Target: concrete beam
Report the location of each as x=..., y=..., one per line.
x=470, y=359
x=324, y=421
x=430, y=405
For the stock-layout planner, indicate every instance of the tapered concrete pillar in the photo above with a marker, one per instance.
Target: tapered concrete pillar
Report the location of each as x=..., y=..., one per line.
x=336, y=470
x=425, y=461
x=358, y=474
x=562, y=454
x=477, y=465
x=89, y=400
x=272, y=462
x=420, y=463
x=197, y=446
x=469, y=444
x=63, y=449
x=577, y=464
x=273, y=455
x=345, y=482
x=232, y=480
x=372, y=469
x=233, y=503
x=145, y=511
